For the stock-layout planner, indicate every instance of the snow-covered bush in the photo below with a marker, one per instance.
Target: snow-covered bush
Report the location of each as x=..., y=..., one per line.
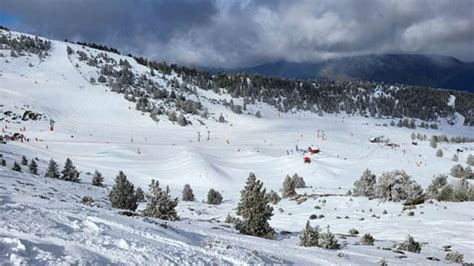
x=298, y=181
x=187, y=193
x=122, y=195
x=455, y=256
x=353, y=231
x=463, y=191
x=214, y=197
x=159, y=203
x=470, y=160
x=365, y=186
x=87, y=200
x=439, y=189
x=273, y=197
x=439, y=153
x=328, y=240
x=455, y=158
x=457, y=171
x=97, y=179
x=367, y=239
x=254, y=209
x=397, y=186
x=3, y=162
x=410, y=245
x=310, y=236
x=288, y=189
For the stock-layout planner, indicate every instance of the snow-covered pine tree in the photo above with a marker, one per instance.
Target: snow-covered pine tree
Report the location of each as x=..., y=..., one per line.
x=160, y=205
x=273, y=197
x=439, y=153
x=187, y=194
x=255, y=210
x=298, y=181
x=3, y=162
x=140, y=195
x=97, y=179
x=310, y=236
x=16, y=167
x=288, y=189
x=214, y=197
x=53, y=169
x=24, y=161
x=455, y=158
x=33, y=167
x=328, y=240
x=365, y=186
x=470, y=160
x=122, y=195
x=69, y=172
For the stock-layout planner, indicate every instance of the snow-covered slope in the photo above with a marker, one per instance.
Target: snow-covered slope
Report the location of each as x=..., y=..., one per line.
x=42, y=221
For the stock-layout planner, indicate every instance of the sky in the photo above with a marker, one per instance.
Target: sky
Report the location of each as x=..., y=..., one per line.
x=232, y=33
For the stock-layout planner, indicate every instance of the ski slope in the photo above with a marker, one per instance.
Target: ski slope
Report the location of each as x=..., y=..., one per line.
x=99, y=129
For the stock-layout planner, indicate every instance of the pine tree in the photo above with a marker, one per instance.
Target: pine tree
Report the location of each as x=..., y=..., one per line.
x=140, y=195
x=310, y=236
x=24, y=161
x=273, y=197
x=33, y=167
x=365, y=186
x=69, y=173
x=53, y=169
x=288, y=189
x=160, y=205
x=328, y=240
x=214, y=197
x=97, y=179
x=255, y=210
x=187, y=194
x=122, y=195
x=455, y=158
x=470, y=160
x=221, y=119
x=3, y=162
x=16, y=167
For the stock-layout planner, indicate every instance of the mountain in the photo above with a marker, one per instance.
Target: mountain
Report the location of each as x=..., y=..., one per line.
x=414, y=69
x=114, y=113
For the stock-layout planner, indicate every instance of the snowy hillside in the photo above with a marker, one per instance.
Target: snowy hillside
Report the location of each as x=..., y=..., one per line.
x=97, y=125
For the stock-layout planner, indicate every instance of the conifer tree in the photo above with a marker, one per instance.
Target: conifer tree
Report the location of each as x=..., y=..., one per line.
x=328, y=240
x=187, y=194
x=122, y=195
x=160, y=204
x=3, y=162
x=24, y=161
x=255, y=210
x=214, y=197
x=53, y=169
x=97, y=179
x=69, y=173
x=288, y=189
x=439, y=153
x=365, y=186
x=310, y=236
x=33, y=167
x=140, y=195
x=16, y=167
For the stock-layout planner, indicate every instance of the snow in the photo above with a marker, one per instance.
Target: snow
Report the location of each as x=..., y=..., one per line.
x=43, y=222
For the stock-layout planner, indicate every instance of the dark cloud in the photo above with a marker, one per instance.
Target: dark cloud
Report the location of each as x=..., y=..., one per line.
x=234, y=33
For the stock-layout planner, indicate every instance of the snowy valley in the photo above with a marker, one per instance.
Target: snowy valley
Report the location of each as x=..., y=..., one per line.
x=110, y=113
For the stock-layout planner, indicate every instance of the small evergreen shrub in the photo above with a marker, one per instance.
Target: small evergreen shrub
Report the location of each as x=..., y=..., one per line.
x=16, y=167
x=187, y=193
x=310, y=236
x=273, y=197
x=455, y=256
x=97, y=179
x=214, y=197
x=410, y=245
x=367, y=239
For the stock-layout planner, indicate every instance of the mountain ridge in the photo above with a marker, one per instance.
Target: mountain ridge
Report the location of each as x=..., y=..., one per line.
x=437, y=71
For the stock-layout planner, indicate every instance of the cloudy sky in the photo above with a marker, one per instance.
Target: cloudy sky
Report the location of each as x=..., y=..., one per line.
x=232, y=33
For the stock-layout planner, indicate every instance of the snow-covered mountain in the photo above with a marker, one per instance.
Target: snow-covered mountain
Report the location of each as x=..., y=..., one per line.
x=108, y=112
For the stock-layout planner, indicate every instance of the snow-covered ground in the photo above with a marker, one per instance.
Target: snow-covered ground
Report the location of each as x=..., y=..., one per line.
x=42, y=221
